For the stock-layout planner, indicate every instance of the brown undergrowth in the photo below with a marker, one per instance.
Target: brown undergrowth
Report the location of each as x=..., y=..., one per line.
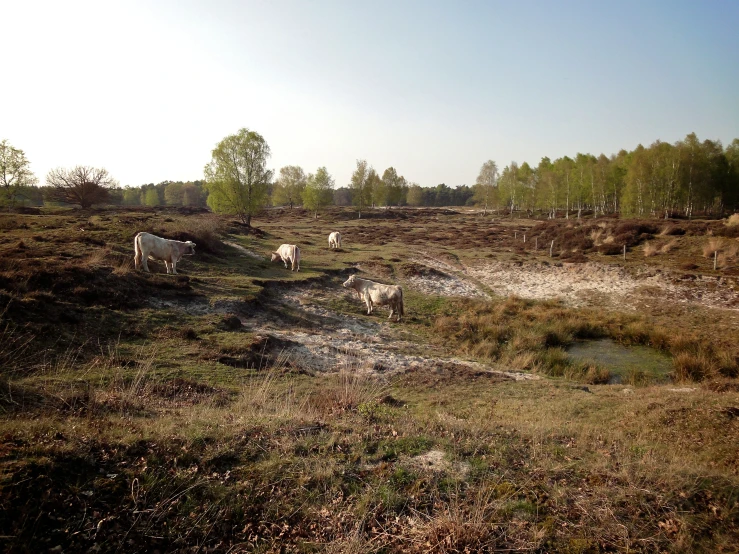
x=526, y=334
x=163, y=427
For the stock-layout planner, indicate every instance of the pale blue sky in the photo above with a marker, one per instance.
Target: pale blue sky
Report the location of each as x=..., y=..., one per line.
x=147, y=88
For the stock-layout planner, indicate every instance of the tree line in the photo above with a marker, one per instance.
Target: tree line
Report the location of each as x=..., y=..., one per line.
x=684, y=179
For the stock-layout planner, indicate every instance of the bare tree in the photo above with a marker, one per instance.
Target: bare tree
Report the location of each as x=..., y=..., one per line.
x=82, y=185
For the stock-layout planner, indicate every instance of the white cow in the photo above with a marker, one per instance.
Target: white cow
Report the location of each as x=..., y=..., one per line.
x=288, y=253
x=377, y=294
x=334, y=240
x=147, y=246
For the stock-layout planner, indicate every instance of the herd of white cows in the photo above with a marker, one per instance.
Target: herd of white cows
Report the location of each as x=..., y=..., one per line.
x=148, y=246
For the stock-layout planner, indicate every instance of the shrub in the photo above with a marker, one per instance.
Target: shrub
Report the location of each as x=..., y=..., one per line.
x=671, y=230
x=611, y=249
x=205, y=232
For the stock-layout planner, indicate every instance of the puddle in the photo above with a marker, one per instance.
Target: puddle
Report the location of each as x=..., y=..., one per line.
x=623, y=362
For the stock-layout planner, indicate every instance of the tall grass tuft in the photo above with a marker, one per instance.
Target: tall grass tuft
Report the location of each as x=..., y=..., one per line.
x=693, y=366
x=650, y=249
x=712, y=245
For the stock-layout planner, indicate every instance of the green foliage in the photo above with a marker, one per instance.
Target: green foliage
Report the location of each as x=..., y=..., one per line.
x=131, y=197
x=485, y=188
x=173, y=194
x=151, y=198
x=237, y=179
x=289, y=186
x=361, y=185
x=663, y=180
x=319, y=190
x=15, y=173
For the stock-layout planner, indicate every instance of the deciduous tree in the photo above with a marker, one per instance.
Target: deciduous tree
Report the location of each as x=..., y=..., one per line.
x=319, y=191
x=361, y=185
x=237, y=178
x=15, y=173
x=487, y=181
x=289, y=185
x=83, y=185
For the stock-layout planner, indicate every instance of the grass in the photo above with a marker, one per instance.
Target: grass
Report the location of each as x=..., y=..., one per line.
x=139, y=416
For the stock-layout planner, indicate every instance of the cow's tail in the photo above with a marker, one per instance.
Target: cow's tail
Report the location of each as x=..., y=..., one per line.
x=402, y=310
x=137, y=251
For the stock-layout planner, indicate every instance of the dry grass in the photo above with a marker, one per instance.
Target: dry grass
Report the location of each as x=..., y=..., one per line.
x=651, y=249
x=713, y=245
x=733, y=220
x=597, y=236
x=694, y=366
x=668, y=247
x=161, y=447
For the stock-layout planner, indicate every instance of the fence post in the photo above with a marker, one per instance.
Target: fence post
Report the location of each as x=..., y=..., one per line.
x=524, y=239
x=536, y=243
x=715, y=259
x=551, y=248
x=624, y=252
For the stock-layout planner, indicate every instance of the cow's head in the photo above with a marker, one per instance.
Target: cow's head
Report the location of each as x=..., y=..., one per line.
x=276, y=257
x=349, y=282
x=189, y=248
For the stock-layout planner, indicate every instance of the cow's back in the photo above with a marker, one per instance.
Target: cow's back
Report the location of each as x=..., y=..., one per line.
x=155, y=246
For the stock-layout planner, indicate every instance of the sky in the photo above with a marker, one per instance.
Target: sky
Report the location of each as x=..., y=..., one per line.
x=147, y=88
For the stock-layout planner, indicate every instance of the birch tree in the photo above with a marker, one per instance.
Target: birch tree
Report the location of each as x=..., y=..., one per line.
x=237, y=178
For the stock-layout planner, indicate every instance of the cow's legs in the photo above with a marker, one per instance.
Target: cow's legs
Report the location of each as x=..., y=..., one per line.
x=368, y=301
x=167, y=267
x=145, y=262
x=174, y=267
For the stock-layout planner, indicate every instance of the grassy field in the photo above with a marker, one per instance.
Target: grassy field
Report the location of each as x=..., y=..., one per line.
x=241, y=407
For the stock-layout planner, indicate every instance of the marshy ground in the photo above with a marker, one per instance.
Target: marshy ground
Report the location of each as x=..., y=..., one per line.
x=241, y=407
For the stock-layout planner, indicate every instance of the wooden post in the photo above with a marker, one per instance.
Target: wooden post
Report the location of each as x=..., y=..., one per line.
x=515, y=234
x=624, y=252
x=715, y=259
x=551, y=248
x=536, y=243
x=524, y=238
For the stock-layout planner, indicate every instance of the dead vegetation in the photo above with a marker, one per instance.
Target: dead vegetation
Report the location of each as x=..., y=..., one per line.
x=184, y=425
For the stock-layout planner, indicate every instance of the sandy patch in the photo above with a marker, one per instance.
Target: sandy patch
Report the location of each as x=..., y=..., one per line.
x=329, y=341
x=436, y=462
x=593, y=284
x=445, y=285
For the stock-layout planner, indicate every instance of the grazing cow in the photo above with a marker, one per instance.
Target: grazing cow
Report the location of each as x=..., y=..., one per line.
x=377, y=294
x=147, y=246
x=288, y=253
x=334, y=240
